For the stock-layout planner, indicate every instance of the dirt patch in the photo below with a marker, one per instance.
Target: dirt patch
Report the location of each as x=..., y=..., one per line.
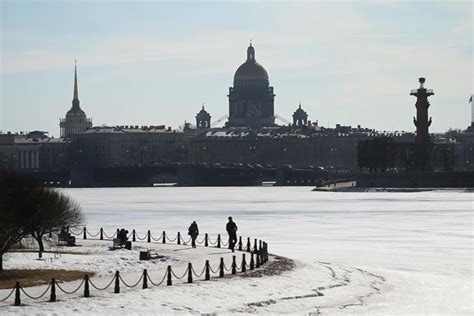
x=275, y=266
x=27, y=278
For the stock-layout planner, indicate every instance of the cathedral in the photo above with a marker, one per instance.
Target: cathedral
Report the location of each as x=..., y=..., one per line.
x=251, y=98
x=76, y=120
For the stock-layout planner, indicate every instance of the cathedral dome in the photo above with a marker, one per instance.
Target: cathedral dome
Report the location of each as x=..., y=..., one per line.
x=250, y=72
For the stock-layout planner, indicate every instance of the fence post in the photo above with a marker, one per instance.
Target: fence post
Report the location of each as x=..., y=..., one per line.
x=86, y=286
x=266, y=250
x=84, y=236
x=101, y=233
x=145, y=278
x=218, y=240
x=134, y=237
x=179, y=238
x=52, y=297
x=240, y=243
x=248, y=244
x=208, y=273
x=17, y=294
x=257, y=260
x=169, y=282
x=260, y=245
x=149, y=236
x=164, y=237
x=251, y=261
x=234, y=265
x=221, y=268
x=255, y=249
x=117, y=282
x=243, y=266
x=206, y=237
x=190, y=273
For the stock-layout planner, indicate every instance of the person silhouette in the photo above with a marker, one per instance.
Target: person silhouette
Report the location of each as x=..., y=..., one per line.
x=231, y=228
x=193, y=231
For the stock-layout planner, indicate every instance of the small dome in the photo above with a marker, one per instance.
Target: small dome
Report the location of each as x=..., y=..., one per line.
x=251, y=72
x=75, y=111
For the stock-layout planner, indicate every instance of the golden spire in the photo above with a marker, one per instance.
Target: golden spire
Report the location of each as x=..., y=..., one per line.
x=76, y=94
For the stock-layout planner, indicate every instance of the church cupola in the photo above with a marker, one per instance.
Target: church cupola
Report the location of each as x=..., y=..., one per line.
x=300, y=117
x=203, y=119
x=251, y=53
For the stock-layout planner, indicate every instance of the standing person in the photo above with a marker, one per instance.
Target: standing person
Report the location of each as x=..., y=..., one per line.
x=193, y=231
x=232, y=231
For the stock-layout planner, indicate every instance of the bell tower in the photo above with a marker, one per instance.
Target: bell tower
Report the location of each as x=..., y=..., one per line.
x=421, y=121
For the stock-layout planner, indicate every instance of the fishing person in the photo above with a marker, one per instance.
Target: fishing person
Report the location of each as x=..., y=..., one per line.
x=231, y=228
x=193, y=231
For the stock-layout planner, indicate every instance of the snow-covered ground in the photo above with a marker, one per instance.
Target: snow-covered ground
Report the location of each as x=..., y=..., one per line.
x=377, y=252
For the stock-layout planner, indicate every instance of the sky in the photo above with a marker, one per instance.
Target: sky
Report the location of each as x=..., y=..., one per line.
x=154, y=62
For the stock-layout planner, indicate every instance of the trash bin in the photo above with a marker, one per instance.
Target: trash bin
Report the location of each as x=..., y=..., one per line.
x=128, y=245
x=144, y=255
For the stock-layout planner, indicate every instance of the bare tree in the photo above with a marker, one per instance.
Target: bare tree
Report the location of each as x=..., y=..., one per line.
x=51, y=211
x=14, y=208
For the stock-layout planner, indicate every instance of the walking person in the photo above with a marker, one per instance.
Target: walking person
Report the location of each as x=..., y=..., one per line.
x=193, y=231
x=232, y=231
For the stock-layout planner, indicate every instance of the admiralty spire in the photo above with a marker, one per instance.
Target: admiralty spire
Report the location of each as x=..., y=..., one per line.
x=76, y=120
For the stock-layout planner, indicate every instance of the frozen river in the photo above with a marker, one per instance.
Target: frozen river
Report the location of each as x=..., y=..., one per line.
x=421, y=243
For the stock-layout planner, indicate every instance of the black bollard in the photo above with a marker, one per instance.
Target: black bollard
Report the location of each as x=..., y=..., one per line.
x=169, y=282
x=251, y=261
x=243, y=267
x=117, y=283
x=117, y=233
x=149, y=236
x=218, y=240
x=206, y=242
x=221, y=268
x=52, y=297
x=208, y=272
x=179, y=238
x=234, y=265
x=260, y=245
x=164, y=237
x=257, y=261
x=50, y=234
x=255, y=249
x=17, y=294
x=145, y=278
x=134, y=237
x=240, y=243
x=190, y=273
x=248, y=244
x=86, y=286
x=101, y=233
x=84, y=236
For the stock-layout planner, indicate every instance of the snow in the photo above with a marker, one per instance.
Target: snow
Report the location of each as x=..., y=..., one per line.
x=367, y=253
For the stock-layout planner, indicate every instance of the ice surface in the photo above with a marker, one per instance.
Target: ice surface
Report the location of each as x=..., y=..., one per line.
x=377, y=252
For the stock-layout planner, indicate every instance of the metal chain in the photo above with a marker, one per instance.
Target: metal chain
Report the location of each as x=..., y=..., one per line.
x=76, y=234
x=110, y=237
x=6, y=298
x=176, y=238
x=201, y=242
x=157, y=284
x=225, y=268
x=158, y=239
x=225, y=244
x=187, y=241
x=138, y=237
x=200, y=275
x=100, y=289
x=185, y=272
x=131, y=286
x=93, y=236
x=210, y=268
x=71, y=292
x=36, y=297
x=212, y=243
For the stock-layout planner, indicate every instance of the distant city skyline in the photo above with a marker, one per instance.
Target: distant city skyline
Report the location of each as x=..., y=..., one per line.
x=152, y=63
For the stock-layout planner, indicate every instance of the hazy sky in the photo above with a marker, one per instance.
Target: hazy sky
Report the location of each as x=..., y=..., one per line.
x=151, y=63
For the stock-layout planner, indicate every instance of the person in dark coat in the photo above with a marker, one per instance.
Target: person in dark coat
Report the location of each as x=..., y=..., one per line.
x=193, y=231
x=232, y=231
